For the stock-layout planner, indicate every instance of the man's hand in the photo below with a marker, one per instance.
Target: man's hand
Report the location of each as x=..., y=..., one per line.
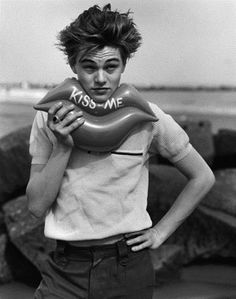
x=142, y=239
x=62, y=120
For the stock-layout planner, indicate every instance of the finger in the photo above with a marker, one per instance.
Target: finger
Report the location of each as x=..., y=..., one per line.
x=136, y=240
x=71, y=117
x=76, y=112
x=53, y=110
x=141, y=246
x=134, y=234
x=61, y=113
x=74, y=125
x=55, y=119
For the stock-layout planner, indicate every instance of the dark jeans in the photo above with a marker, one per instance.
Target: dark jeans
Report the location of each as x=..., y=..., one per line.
x=99, y=272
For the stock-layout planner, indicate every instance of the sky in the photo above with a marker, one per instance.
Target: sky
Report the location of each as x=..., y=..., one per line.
x=185, y=42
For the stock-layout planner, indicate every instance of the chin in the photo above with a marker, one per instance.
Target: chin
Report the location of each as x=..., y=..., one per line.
x=100, y=100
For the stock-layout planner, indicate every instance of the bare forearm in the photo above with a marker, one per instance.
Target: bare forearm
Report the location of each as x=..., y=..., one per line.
x=44, y=186
x=183, y=206
x=200, y=180
x=185, y=203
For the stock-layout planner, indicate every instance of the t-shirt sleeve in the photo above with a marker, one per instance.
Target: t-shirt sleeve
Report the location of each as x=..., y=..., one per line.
x=40, y=146
x=169, y=139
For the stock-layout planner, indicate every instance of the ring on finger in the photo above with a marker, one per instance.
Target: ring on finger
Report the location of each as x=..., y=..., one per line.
x=56, y=119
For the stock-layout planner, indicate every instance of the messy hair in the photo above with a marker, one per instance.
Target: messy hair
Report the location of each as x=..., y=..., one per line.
x=96, y=28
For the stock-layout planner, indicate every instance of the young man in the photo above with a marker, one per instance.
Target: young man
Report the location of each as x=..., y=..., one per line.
x=94, y=204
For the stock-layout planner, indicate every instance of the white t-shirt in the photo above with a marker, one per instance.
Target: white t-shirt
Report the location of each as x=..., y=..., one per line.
x=105, y=194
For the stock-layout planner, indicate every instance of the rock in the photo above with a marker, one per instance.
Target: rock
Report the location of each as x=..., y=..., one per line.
x=5, y=270
x=15, y=163
x=21, y=268
x=204, y=235
x=167, y=261
x=222, y=196
x=210, y=231
x=2, y=224
x=26, y=233
x=165, y=183
x=201, y=137
x=225, y=145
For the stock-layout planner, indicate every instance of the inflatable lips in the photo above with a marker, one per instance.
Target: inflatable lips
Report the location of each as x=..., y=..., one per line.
x=108, y=132
x=106, y=125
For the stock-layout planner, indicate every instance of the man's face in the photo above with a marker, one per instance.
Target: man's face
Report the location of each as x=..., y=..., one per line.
x=100, y=72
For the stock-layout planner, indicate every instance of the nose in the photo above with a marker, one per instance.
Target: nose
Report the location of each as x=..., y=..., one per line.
x=100, y=77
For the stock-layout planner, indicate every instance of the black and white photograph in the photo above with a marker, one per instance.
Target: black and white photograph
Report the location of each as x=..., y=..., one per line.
x=118, y=149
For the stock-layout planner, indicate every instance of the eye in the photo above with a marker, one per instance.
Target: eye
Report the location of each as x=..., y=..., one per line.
x=89, y=68
x=111, y=67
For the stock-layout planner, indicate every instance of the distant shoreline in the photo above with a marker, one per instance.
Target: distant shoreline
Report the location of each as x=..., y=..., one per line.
x=187, y=88
x=4, y=86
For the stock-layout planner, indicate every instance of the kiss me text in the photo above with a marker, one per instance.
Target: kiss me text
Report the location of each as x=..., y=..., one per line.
x=78, y=97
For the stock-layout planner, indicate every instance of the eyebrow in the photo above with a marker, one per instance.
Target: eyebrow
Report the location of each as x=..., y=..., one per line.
x=87, y=60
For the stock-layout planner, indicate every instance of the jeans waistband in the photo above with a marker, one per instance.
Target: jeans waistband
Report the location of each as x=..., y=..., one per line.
x=119, y=249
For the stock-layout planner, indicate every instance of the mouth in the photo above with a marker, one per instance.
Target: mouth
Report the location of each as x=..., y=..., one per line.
x=100, y=90
x=100, y=94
